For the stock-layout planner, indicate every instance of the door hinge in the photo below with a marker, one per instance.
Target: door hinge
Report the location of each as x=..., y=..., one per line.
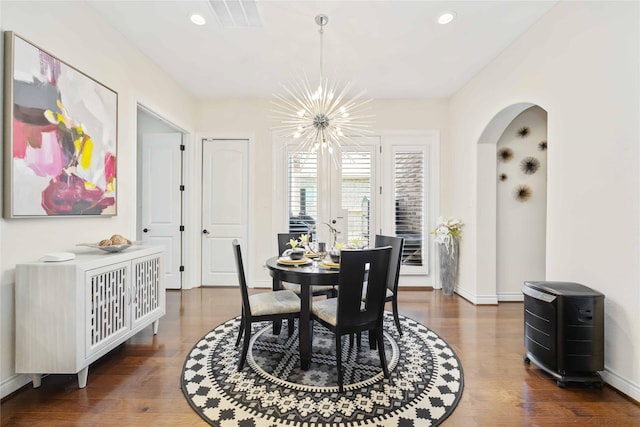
x=182, y=228
x=182, y=268
x=381, y=149
x=181, y=147
x=181, y=187
x=381, y=190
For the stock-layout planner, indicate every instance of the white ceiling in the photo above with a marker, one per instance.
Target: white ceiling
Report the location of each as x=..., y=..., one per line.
x=391, y=48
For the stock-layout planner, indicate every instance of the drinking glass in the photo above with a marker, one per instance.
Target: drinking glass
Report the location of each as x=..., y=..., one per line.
x=322, y=251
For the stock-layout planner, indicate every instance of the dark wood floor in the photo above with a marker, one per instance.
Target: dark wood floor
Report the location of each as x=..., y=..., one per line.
x=138, y=384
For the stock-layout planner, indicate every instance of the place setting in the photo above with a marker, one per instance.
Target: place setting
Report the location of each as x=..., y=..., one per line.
x=285, y=260
x=304, y=253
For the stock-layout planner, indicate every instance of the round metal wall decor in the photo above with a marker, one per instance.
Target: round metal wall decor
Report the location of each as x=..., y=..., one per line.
x=529, y=165
x=522, y=193
x=505, y=154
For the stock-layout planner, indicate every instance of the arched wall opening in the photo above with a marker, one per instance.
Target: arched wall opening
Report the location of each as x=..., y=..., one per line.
x=487, y=262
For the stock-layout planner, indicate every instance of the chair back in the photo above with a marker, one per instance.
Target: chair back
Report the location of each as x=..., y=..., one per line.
x=367, y=268
x=283, y=240
x=397, y=247
x=246, y=308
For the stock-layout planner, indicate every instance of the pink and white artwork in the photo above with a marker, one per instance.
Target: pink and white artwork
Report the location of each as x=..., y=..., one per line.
x=60, y=137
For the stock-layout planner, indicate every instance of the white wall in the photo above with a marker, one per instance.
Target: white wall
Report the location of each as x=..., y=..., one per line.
x=581, y=64
x=72, y=32
x=521, y=225
x=251, y=118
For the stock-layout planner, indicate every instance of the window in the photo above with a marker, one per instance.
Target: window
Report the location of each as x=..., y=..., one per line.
x=302, y=191
x=356, y=195
x=409, y=204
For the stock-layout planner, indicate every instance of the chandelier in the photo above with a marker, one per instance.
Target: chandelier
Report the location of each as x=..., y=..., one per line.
x=323, y=119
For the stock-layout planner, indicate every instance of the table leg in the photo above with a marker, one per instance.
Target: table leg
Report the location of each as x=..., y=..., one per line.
x=277, y=324
x=306, y=327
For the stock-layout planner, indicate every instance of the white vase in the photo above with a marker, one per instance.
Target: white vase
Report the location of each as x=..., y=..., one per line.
x=449, y=255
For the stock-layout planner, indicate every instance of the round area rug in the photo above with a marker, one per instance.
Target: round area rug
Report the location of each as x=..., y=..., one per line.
x=424, y=386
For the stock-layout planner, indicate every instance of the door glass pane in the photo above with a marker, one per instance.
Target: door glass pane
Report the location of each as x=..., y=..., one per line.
x=409, y=191
x=302, y=191
x=356, y=195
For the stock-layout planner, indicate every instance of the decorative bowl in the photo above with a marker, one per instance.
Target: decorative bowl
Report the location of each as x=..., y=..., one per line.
x=295, y=255
x=110, y=248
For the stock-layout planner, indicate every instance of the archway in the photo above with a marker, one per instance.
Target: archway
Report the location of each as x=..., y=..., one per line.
x=486, y=195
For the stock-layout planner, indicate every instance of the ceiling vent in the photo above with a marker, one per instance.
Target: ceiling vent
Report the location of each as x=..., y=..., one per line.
x=236, y=13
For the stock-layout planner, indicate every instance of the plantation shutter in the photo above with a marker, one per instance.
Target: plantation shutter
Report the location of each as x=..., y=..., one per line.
x=356, y=182
x=302, y=191
x=409, y=190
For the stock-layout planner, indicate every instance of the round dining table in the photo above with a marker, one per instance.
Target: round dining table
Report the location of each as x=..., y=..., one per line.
x=306, y=276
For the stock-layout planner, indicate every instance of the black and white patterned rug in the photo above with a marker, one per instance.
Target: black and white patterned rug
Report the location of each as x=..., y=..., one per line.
x=423, y=388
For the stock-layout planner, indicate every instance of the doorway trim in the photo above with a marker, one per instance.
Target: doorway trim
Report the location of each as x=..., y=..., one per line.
x=186, y=140
x=486, y=210
x=278, y=220
x=193, y=163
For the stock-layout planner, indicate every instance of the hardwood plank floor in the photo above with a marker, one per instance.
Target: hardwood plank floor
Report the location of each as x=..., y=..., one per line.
x=138, y=384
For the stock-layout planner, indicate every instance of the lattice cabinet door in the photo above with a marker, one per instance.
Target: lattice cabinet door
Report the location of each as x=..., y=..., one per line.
x=147, y=293
x=108, y=305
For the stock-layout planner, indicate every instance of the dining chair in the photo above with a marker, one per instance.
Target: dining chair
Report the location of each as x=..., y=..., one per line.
x=265, y=306
x=283, y=241
x=397, y=246
x=395, y=261
x=361, y=271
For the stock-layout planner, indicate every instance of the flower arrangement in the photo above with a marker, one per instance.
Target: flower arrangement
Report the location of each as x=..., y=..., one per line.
x=293, y=243
x=299, y=247
x=446, y=231
x=299, y=244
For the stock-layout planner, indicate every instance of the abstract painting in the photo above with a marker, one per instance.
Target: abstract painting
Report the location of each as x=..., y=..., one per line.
x=60, y=137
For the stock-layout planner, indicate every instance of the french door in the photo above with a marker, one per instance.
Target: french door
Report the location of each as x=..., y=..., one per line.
x=323, y=196
x=374, y=187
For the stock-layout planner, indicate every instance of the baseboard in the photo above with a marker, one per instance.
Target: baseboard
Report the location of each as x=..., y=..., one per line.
x=477, y=299
x=510, y=296
x=13, y=384
x=415, y=288
x=262, y=284
x=621, y=384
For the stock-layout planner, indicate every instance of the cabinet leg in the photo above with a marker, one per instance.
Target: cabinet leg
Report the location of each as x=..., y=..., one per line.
x=82, y=377
x=37, y=380
x=155, y=326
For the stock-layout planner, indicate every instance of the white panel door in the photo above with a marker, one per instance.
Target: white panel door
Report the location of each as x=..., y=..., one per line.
x=162, y=199
x=225, y=207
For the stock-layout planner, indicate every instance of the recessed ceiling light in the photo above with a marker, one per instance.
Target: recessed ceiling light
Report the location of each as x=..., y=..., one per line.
x=198, y=19
x=446, y=18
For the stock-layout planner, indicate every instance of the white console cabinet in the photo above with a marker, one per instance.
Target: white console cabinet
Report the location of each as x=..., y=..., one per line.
x=70, y=313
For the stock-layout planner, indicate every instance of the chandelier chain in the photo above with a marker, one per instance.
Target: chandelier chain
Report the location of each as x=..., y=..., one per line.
x=321, y=22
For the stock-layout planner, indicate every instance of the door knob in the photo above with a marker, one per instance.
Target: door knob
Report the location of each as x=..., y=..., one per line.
x=333, y=221
x=205, y=231
x=145, y=230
